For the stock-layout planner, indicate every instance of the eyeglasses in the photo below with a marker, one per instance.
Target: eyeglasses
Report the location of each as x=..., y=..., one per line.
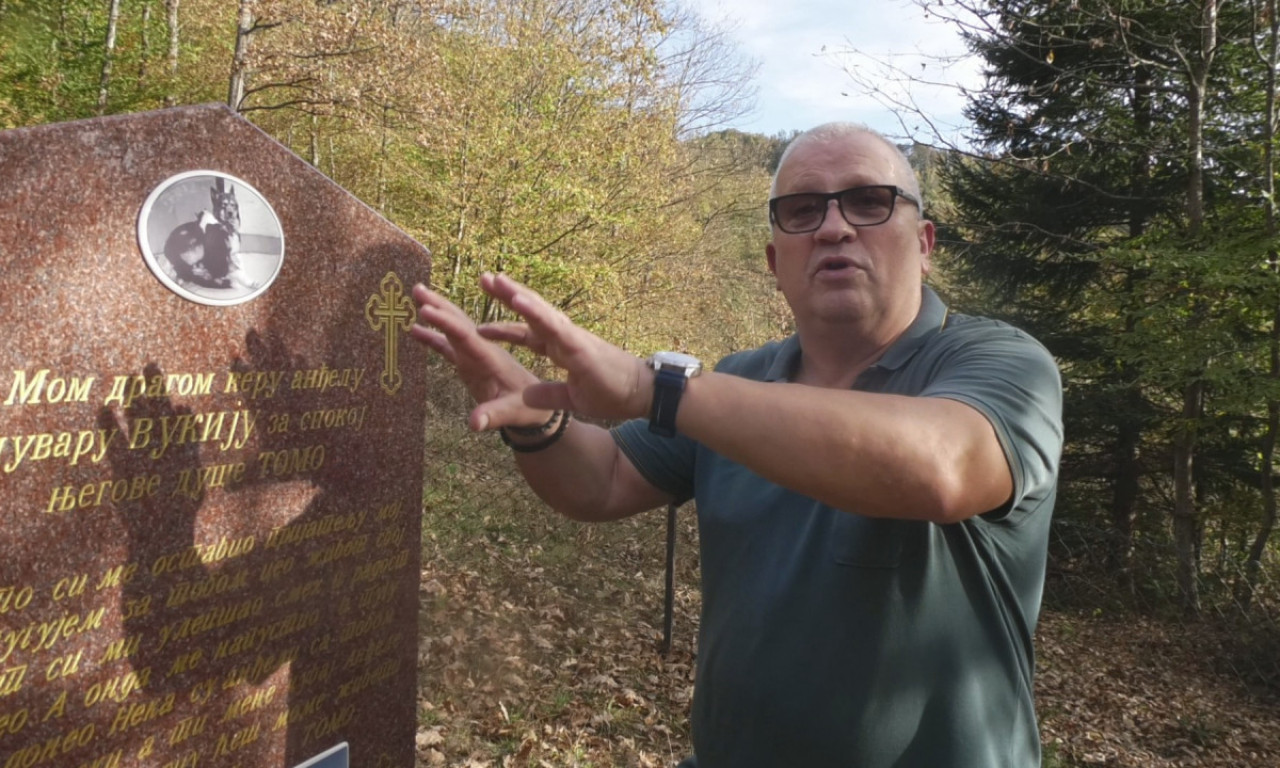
x=860, y=206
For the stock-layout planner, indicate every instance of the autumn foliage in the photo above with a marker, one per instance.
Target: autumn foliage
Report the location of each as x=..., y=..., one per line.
x=579, y=145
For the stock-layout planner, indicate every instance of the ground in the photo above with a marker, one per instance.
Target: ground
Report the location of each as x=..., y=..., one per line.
x=541, y=645
x=1134, y=692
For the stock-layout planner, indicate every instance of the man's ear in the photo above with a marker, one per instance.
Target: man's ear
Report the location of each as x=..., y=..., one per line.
x=771, y=255
x=928, y=238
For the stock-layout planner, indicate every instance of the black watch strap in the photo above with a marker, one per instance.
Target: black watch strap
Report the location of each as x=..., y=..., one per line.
x=668, y=386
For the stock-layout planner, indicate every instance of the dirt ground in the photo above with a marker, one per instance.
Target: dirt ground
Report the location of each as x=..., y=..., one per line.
x=540, y=646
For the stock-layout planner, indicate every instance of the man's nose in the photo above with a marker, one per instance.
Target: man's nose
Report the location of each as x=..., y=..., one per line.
x=834, y=228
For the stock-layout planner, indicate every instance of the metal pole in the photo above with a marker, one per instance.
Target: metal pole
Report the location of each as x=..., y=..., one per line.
x=669, y=602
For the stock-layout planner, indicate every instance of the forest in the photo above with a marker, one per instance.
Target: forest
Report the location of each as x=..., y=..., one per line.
x=1115, y=195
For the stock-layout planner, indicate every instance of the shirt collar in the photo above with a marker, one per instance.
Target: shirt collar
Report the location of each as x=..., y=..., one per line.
x=931, y=319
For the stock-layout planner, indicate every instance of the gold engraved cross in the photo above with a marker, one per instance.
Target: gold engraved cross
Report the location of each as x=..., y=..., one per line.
x=392, y=312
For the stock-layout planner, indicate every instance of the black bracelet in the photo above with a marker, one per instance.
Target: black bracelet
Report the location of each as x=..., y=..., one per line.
x=541, y=429
x=543, y=444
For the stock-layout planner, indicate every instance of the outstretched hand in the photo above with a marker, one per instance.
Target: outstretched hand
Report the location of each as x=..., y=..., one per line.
x=602, y=380
x=492, y=376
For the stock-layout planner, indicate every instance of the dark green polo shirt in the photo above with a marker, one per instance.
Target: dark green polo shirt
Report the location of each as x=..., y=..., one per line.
x=832, y=639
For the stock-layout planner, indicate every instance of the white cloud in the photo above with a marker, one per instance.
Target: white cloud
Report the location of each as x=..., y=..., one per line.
x=804, y=49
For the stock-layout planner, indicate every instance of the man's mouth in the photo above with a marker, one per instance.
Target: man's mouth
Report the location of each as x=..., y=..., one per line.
x=834, y=265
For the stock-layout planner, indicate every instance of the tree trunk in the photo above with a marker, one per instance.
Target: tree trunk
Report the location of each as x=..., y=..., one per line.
x=244, y=29
x=315, y=142
x=1266, y=458
x=1126, y=488
x=1186, y=528
x=1185, y=524
x=1197, y=86
x=382, y=163
x=1253, y=564
x=1124, y=498
x=171, y=7
x=1195, y=175
x=108, y=53
x=145, y=58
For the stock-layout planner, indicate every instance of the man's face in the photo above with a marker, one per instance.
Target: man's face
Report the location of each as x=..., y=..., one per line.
x=869, y=277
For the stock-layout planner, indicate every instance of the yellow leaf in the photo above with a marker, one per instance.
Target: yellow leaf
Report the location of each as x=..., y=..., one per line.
x=430, y=737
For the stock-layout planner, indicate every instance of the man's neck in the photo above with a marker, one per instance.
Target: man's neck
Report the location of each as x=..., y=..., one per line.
x=836, y=355
x=834, y=363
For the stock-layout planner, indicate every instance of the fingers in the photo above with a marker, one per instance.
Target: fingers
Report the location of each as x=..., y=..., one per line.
x=512, y=333
x=436, y=341
x=487, y=369
x=600, y=378
x=522, y=299
x=546, y=326
x=436, y=310
x=444, y=327
x=517, y=407
x=424, y=296
x=549, y=396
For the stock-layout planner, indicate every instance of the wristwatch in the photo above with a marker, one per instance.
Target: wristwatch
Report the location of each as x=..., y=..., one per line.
x=671, y=371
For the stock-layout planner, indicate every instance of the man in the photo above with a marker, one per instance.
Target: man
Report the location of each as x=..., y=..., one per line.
x=873, y=493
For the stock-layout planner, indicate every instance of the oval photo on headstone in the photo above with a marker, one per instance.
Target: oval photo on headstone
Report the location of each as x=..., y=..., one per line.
x=211, y=238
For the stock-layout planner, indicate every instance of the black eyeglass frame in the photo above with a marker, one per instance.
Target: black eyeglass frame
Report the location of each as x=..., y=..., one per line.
x=827, y=197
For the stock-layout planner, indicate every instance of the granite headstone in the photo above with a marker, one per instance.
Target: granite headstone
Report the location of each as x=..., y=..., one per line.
x=211, y=446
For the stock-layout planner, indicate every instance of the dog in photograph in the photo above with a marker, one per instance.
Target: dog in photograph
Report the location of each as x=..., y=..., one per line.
x=206, y=252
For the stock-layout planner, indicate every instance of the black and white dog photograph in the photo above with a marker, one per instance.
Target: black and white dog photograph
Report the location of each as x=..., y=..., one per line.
x=211, y=238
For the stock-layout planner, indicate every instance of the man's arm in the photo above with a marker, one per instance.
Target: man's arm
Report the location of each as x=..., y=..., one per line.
x=878, y=455
x=583, y=475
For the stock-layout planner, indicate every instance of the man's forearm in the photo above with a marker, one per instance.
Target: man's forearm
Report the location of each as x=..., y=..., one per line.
x=878, y=455
x=585, y=477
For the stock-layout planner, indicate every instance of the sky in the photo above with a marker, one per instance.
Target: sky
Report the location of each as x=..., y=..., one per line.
x=820, y=60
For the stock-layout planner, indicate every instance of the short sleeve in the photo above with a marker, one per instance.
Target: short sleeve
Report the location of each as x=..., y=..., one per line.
x=669, y=463
x=1011, y=379
x=666, y=462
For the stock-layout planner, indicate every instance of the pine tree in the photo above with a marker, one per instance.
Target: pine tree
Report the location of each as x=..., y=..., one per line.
x=1091, y=216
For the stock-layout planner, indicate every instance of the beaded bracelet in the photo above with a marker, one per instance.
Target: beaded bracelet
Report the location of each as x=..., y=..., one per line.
x=541, y=429
x=543, y=444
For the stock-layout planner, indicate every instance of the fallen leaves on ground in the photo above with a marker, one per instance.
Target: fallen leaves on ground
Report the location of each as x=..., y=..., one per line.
x=548, y=653
x=539, y=646
x=1134, y=692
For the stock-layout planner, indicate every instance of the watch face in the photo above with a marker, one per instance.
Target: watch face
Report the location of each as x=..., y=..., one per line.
x=675, y=360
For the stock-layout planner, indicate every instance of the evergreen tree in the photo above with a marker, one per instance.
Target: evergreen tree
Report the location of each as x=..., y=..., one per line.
x=1095, y=216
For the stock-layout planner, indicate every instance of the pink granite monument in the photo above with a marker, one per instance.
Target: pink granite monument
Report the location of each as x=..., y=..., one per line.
x=211, y=446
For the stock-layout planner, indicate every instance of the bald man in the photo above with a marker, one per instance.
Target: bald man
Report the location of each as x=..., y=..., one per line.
x=873, y=493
